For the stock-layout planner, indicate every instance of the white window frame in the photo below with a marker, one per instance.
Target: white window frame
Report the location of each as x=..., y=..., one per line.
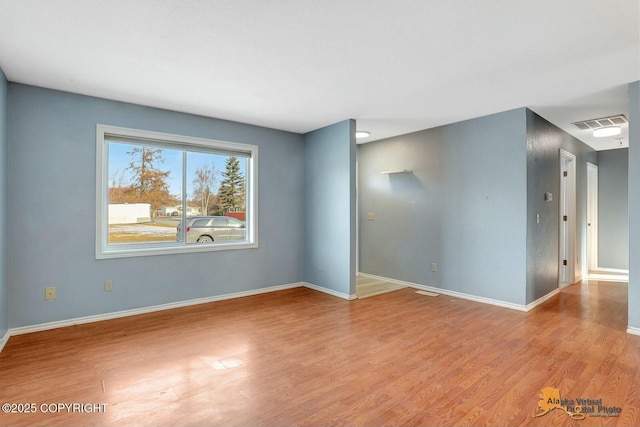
x=104, y=250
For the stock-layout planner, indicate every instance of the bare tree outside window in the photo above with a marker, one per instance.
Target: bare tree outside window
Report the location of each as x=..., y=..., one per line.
x=203, y=184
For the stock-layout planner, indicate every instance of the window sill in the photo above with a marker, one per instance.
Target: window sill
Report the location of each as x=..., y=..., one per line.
x=109, y=253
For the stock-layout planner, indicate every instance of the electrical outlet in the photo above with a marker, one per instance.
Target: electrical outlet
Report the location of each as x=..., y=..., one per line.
x=50, y=293
x=434, y=266
x=371, y=216
x=108, y=285
x=320, y=266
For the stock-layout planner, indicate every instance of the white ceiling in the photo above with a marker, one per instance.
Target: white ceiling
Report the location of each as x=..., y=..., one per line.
x=298, y=65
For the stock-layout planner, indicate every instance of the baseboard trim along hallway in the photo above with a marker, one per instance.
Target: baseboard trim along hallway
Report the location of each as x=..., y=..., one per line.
x=469, y=297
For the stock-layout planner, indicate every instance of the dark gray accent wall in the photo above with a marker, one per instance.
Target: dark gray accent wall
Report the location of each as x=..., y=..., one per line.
x=613, y=209
x=51, y=209
x=329, y=206
x=634, y=205
x=4, y=307
x=544, y=141
x=462, y=206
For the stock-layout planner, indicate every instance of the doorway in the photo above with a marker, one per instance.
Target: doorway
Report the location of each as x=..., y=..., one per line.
x=567, y=251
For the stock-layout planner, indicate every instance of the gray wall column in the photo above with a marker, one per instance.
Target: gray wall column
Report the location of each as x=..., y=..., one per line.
x=329, y=207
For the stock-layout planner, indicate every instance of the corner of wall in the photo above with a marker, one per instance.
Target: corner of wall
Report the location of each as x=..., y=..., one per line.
x=634, y=206
x=4, y=304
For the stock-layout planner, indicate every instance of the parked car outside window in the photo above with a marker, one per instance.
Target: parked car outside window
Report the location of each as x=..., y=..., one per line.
x=207, y=229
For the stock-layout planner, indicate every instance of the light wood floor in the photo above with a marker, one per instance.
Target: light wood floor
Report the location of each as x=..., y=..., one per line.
x=300, y=357
x=368, y=287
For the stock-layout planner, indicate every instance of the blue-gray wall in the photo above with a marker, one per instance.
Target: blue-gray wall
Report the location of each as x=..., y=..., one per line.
x=634, y=205
x=329, y=207
x=51, y=209
x=544, y=141
x=613, y=209
x=463, y=206
x=4, y=307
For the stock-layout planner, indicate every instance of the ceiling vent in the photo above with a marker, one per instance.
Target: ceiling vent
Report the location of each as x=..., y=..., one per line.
x=601, y=123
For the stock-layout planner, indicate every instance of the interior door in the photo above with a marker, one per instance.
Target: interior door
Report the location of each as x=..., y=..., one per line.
x=567, y=249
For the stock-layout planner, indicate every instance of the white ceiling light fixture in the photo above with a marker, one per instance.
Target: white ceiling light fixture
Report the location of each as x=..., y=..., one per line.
x=362, y=134
x=607, y=131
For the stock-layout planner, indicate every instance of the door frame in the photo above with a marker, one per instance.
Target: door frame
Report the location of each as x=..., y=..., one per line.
x=592, y=219
x=567, y=229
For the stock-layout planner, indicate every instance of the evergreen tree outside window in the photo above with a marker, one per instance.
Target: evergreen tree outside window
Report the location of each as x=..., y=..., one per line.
x=231, y=196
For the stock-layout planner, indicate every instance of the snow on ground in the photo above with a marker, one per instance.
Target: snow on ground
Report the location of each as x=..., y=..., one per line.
x=142, y=230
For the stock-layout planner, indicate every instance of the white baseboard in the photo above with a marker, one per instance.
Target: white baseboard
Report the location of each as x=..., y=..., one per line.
x=604, y=274
x=4, y=339
x=143, y=310
x=456, y=294
x=542, y=299
x=609, y=278
x=134, y=312
x=610, y=270
x=329, y=291
x=633, y=331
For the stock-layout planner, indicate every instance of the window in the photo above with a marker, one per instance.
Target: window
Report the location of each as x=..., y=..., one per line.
x=220, y=222
x=162, y=194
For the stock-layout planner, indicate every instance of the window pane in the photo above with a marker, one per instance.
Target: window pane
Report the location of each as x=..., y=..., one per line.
x=216, y=188
x=145, y=193
x=220, y=222
x=235, y=223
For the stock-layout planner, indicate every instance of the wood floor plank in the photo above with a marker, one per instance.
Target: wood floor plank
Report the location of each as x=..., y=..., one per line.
x=300, y=357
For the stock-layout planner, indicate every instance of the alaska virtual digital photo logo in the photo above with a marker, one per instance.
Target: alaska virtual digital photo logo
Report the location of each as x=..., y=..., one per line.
x=577, y=409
